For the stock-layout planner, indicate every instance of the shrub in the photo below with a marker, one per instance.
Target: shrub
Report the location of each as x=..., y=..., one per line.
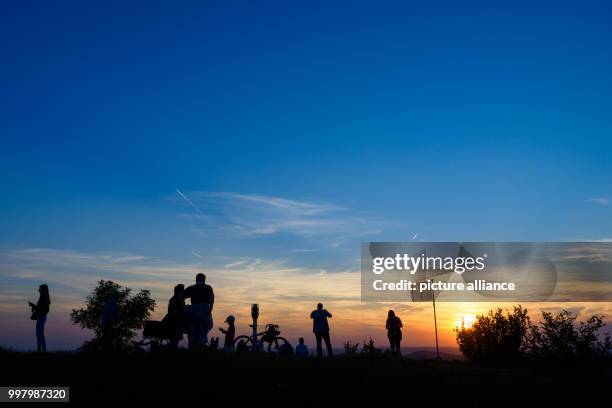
x=133, y=310
x=369, y=348
x=350, y=348
x=559, y=337
x=495, y=336
x=498, y=336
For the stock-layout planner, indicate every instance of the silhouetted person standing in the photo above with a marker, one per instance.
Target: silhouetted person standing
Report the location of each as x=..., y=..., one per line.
x=39, y=313
x=320, y=327
x=394, y=331
x=176, y=315
x=202, y=301
x=110, y=314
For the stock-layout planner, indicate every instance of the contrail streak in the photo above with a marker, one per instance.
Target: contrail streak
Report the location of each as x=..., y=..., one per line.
x=188, y=200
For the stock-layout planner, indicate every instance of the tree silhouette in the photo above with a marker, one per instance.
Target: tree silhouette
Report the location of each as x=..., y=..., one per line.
x=495, y=336
x=133, y=310
x=498, y=337
x=559, y=337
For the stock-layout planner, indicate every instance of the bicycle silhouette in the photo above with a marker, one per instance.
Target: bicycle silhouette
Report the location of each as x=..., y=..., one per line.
x=270, y=335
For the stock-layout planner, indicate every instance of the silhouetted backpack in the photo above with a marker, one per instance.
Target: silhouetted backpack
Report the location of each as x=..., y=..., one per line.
x=34, y=315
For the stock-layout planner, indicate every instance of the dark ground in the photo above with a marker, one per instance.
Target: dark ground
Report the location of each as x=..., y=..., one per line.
x=165, y=379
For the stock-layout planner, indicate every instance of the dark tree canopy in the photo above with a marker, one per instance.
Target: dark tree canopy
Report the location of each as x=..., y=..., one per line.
x=133, y=310
x=495, y=336
x=559, y=337
x=499, y=336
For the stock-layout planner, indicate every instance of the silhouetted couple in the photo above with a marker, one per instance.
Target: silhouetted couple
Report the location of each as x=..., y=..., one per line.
x=39, y=313
x=197, y=317
x=320, y=327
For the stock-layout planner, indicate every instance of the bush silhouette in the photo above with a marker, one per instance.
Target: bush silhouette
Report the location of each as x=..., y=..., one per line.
x=350, y=348
x=369, y=348
x=498, y=337
x=559, y=337
x=495, y=336
x=133, y=310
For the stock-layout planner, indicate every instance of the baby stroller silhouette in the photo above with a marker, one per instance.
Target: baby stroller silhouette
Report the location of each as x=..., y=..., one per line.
x=156, y=335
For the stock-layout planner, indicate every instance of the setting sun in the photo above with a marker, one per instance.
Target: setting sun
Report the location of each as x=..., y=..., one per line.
x=466, y=320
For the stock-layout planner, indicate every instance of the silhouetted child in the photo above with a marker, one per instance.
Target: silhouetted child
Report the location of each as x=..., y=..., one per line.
x=230, y=333
x=301, y=350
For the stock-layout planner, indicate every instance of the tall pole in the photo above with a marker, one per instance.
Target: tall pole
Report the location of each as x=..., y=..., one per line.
x=254, y=315
x=435, y=323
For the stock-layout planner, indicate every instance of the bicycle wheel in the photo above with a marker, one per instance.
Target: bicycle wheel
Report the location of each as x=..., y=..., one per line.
x=275, y=345
x=243, y=343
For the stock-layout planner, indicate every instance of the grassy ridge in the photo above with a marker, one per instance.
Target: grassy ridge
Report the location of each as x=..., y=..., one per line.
x=174, y=379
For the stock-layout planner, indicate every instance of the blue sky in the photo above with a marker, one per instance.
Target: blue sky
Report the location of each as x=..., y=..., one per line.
x=454, y=122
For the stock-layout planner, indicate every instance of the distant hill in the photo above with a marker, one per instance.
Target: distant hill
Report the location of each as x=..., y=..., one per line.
x=420, y=353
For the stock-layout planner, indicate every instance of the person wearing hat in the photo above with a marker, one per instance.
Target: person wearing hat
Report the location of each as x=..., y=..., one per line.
x=228, y=345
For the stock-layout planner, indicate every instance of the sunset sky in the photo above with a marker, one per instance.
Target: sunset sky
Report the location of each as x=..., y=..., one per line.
x=262, y=142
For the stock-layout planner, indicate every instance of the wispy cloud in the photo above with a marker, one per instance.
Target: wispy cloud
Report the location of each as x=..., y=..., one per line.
x=600, y=200
x=304, y=250
x=257, y=215
x=235, y=264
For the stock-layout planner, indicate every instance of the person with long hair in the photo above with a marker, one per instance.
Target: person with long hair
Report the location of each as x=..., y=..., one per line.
x=176, y=316
x=39, y=313
x=394, y=332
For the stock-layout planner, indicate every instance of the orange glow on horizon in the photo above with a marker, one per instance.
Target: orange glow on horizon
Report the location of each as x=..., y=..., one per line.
x=286, y=296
